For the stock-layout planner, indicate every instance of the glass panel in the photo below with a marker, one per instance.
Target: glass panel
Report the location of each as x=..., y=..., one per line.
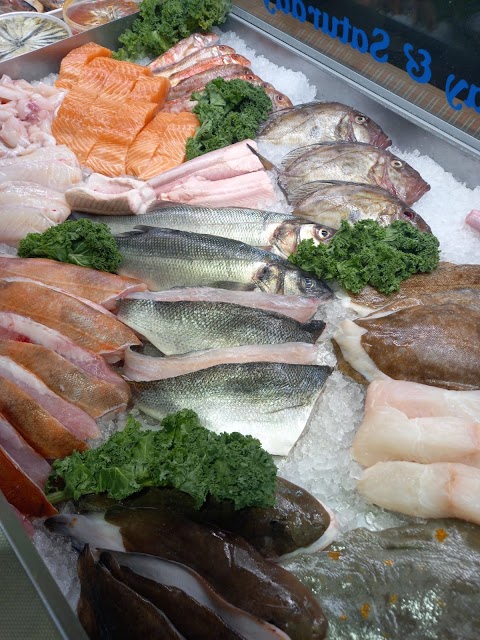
x=425, y=51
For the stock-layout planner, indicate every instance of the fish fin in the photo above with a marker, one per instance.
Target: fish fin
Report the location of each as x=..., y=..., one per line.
x=294, y=155
x=267, y=165
x=315, y=327
x=233, y=286
x=138, y=230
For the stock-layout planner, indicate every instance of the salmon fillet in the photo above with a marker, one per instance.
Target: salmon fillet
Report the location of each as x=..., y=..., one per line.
x=129, y=69
x=72, y=65
x=150, y=90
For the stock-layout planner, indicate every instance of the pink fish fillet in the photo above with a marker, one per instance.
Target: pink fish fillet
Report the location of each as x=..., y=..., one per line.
x=297, y=307
x=29, y=461
x=473, y=219
x=251, y=190
x=439, y=490
x=234, y=160
x=139, y=367
x=16, y=327
x=79, y=423
x=417, y=400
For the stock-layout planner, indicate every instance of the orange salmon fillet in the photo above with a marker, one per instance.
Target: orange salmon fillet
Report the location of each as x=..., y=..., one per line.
x=170, y=151
x=145, y=144
x=72, y=65
x=150, y=90
x=129, y=69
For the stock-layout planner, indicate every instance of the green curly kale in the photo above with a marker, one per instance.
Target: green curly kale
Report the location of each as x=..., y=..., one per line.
x=162, y=23
x=184, y=455
x=81, y=242
x=229, y=111
x=367, y=253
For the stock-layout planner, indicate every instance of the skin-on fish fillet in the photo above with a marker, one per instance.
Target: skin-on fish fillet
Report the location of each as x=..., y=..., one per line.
x=297, y=307
x=39, y=428
x=97, y=286
x=439, y=490
x=31, y=463
x=21, y=491
x=96, y=397
x=140, y=367
x=79, y=423
x=86, y=326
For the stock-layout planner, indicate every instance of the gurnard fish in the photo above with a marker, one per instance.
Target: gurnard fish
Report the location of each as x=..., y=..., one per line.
x=232, y=566
x=437, y=490
x=299, y=308
x=189, y=603
x=208, y=65
x=195, y=58
x=97, y=286
x=313, y=122
x=166, y=258
x=352, y=162
x=296, y=524
x=86, y=326
x=434, y=344
x=181, y=327
x=258, y=228
x=197, y=82
x=271, y=402
x=373, y=584
x=182, y=49
x=332, y=202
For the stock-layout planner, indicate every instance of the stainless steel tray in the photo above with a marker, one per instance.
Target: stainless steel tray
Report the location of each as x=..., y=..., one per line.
x=27, y=585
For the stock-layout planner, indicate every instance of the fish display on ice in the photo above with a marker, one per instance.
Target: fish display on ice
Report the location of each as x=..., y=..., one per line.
x=252, y=226
x=184, y=326
x=182, y=49
x=300, y=308
x=98, y=286
x=314, y=122
x=419, y=580
x=271, y=402
x=352, y=162
x=331, y=202
x=165, y=258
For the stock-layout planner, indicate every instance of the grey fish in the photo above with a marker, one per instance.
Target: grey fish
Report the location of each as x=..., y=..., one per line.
x=271, y=402
x=321, y=122
x=331, y=202
x=352, y=162
x=253, y=226
x=166, y=258
x=180, y=327
x=415, y=582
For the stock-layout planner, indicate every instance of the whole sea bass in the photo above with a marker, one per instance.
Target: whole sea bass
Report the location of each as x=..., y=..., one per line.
x=331, y=202
x=271, y=402
x=352, y=162
x=321, y=122
x=253, y=226
x=166, y=258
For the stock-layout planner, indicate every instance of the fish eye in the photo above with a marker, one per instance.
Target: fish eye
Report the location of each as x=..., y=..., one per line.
x=359, y=119
x=324, y=233
x=398, y=164
x=409, y=214
x=280, y=98
x=308, y=283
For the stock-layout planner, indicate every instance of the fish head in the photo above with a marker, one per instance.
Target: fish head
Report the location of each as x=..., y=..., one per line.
x=279, y=100
x=357, y=127
x=289, y=234
x=300, y=283
x=398, y=177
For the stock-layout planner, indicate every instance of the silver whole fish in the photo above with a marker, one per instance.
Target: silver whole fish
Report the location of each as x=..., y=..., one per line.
x=271, y=402
x=166, y=258
x=321, y=122
x=180, y=327
x=352, y=162
x=255, y=227
x=332, y=202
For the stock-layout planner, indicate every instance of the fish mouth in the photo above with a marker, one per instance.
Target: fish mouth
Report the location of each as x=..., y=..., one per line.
x=420, y=191
x=382, y=141
x=422, y=225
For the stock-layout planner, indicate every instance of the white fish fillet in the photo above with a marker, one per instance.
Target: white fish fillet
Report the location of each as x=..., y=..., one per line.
x=388, y=434
x=297, y=307
x=228, y=162
x=29, y=461
x=111, y=196
x=16, y=326
x=420, y=400
x=348, y=337
x=71, y=417
x=252, y=190
x=139, y=367
x=439, y=490
x=27, y=207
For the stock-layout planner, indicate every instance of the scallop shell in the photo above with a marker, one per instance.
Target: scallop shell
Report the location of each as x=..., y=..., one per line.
x=23, y=32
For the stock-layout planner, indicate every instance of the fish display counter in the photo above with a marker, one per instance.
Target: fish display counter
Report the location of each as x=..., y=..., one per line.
x=322, y=426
